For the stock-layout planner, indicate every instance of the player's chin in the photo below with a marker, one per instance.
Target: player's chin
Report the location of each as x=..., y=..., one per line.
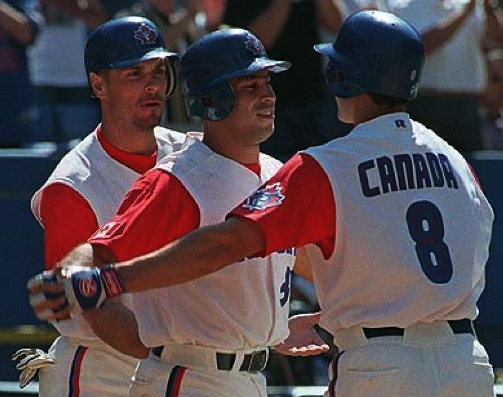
x=151, y=120
x=266, y=124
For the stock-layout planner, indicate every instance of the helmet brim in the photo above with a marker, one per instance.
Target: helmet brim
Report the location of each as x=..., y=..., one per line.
x=156, y=53
x=328, y=50
x=257, y=65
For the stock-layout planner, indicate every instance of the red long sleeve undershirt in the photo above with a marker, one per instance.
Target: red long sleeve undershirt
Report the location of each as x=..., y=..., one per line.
x=67, y=217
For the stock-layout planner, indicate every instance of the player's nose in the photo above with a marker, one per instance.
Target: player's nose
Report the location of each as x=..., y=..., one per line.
x=156, y=83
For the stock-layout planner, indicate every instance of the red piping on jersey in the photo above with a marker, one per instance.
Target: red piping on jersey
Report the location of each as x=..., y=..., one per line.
x=74, y=386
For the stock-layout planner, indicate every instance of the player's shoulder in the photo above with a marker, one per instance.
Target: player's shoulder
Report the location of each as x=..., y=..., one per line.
x=269, y=160
x=80, y=157
x=169, y=135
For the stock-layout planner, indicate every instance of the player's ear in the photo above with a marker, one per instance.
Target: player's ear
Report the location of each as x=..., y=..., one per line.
x=96, y=81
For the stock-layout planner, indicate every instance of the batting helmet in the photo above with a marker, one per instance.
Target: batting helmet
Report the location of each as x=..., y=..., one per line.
x=210, y=62
x=123, y=42
x=374, y=52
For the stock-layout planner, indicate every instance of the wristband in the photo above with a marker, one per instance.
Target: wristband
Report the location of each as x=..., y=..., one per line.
x=112, y=281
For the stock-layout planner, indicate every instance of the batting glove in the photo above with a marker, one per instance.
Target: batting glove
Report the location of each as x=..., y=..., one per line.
x=30, y=361
x=88, y=287
x=39, y=296
x=84, y=288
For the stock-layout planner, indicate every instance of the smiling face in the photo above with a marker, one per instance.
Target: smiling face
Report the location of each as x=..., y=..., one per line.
x=253, y=114
x=134, y=96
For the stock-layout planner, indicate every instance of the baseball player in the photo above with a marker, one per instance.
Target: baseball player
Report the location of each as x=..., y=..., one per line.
x=388, y=207
x=132, y=74
x=209, y=337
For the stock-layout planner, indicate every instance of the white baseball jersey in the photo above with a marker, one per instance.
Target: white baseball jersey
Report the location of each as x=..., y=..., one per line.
x=103, y=182
x=243, y=306
x=85, y=365
x=413, y=219
x=100, y=179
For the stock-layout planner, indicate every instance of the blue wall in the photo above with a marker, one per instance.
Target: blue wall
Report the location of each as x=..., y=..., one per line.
x=23, y=171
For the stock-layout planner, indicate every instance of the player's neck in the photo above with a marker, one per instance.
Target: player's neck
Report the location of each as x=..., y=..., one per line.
x=365, y=109
x=129, y=139
x=229, y=146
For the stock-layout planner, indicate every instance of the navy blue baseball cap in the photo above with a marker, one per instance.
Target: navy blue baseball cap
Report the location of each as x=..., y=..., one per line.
x=123, y=42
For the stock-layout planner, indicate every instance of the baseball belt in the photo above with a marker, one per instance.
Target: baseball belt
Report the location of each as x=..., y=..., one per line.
x=464, y=326
x=252, y=362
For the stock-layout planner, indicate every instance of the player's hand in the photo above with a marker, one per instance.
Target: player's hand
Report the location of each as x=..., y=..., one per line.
x=303, y=339
x=30, y=361
x=53, y=295
x=47, y=297
x=88, y=287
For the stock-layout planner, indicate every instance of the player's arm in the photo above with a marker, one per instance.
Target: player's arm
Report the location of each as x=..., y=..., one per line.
x=17, y=24
x=437, y=36
x=249, y=231
x=113, y=323
x=206, y=250
x=493, y=34
x=269, y=24
x=302, y=265
x=213, y=247
x=67, y=221
x=58, y=204
x=330, y=14
x=90, y=11
x=116, y=325
x=60, y=237
x=139, y=226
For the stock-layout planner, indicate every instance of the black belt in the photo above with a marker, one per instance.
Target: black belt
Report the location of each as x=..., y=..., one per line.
x=464, y=326
x=252, y=362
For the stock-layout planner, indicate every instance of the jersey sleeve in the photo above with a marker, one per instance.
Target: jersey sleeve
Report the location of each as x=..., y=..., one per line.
x=60, y=203
x=294, y=208
x=156, y=211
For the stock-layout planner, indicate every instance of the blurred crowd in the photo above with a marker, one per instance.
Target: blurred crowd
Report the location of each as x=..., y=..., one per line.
x=45, y=94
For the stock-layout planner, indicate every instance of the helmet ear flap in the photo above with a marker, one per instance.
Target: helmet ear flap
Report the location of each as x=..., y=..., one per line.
x=338, y=81
x=171, y=76
x=214, y=105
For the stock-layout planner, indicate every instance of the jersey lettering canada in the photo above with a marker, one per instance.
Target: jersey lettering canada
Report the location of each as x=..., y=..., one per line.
x=404, y=172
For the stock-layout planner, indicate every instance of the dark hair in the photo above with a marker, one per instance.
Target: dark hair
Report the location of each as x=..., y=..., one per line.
x=387, y=101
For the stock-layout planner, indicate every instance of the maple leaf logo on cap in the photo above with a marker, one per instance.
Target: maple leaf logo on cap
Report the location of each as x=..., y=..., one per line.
x=145, y=34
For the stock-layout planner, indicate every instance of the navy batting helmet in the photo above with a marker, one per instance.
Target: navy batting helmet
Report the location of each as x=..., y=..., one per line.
x=374, y=52
x=123, y=42
x=210, y=62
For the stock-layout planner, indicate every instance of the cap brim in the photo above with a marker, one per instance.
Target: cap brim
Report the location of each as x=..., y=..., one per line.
x=153, y=54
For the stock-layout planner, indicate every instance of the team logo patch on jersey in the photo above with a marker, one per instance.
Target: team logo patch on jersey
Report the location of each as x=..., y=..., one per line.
x=107, y=230
x=145, y=34
x=270, y=196
x=88, y=287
